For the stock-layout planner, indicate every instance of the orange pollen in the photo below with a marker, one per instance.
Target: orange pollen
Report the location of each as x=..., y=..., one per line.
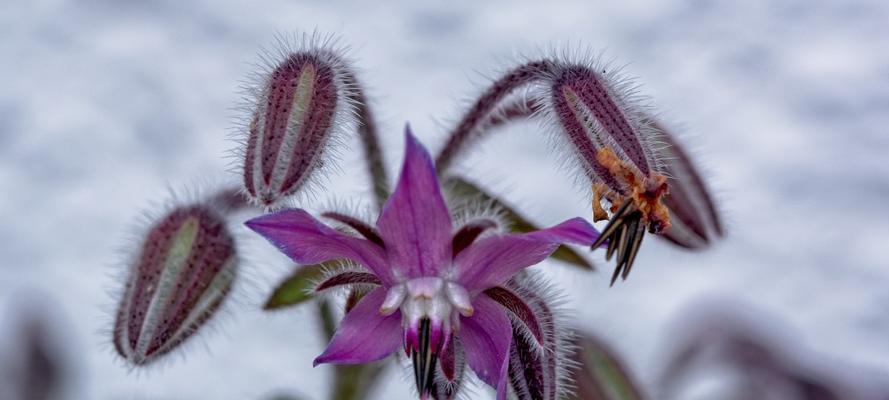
x=646, y=193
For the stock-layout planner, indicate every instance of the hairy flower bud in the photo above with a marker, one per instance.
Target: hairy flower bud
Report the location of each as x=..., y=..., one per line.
x=179, y=278
x=298, y=106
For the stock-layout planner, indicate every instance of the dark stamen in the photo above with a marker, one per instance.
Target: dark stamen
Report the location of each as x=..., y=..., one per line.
x=615, y=223
x=612, y=246
x=624, y=234
x=424, y=360
x=634, y=248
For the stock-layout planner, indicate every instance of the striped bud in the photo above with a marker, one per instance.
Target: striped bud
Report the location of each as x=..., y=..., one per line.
x=180, y=276
x=615, y=145
x=293, y=119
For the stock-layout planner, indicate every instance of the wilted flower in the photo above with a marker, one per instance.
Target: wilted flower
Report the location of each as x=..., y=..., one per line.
x=431, y=281
x=178, y=279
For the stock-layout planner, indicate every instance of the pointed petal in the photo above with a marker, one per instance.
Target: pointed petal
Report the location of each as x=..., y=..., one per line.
x=486, y=337
x=307, y=241
x=364, y=335
x=495, y=259
x=415, y=223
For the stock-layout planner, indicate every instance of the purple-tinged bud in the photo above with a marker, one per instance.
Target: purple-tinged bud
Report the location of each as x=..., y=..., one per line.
x=181, y=274
x=613, y=144
x=695, y=218
x=616, y=148
x=597, y=115
x=537, y=365
x=299, y=106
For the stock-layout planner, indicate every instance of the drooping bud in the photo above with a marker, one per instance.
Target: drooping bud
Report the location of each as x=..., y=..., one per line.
x=615, y=145
x=694, y=216
x=182, y=272
x=595, y=112
x=298, y=107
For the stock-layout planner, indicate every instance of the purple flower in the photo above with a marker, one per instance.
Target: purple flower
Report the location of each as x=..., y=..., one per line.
x=429, y=279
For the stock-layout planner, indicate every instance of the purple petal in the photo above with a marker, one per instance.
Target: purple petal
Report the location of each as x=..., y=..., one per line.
x=364, y=335
x=415, y=223
x=307, y=241
x=486, y=337
x=495, y=259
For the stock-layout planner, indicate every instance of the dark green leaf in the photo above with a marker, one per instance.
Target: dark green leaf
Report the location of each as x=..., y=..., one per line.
x=296, y=288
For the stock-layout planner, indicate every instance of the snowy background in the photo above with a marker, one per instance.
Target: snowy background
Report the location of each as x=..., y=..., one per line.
x=104, y=104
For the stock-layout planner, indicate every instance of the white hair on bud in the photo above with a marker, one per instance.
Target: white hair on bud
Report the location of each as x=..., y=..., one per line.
x=541, y=293
x=128, y=252
x=624, y=90
x=535, y=100
x=332, y=269
x=466, y=209
x=254, y=90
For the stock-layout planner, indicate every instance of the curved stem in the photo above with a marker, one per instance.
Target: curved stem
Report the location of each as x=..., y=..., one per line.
x=369, y=136
x=485, y=104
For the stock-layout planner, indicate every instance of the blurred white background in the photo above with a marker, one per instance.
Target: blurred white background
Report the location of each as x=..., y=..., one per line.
x=103, y=104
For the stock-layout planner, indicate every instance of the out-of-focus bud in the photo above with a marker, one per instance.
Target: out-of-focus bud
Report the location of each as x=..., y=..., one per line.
x=297, y=108
x=696, y=222
x=37, y=360
x=599, y=374
x=179, y=277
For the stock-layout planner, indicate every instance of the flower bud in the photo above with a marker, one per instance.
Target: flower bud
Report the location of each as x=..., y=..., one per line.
x=293, y=118
x=179, y=278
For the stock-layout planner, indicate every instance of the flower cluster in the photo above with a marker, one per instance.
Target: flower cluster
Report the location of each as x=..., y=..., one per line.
x=450, y=294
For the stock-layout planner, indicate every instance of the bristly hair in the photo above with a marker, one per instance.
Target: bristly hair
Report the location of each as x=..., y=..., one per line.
x=337, y=268
x=465, y=209
x=546, y=300
x=327, y=50
x=130, y=249
x=622, y=88
x=530, y=97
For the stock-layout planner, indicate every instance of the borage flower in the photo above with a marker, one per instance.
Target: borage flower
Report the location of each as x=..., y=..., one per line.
x=430, y=279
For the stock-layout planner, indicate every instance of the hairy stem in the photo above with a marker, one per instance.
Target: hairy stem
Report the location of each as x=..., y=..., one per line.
x=488, y=102
x=367, y=133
